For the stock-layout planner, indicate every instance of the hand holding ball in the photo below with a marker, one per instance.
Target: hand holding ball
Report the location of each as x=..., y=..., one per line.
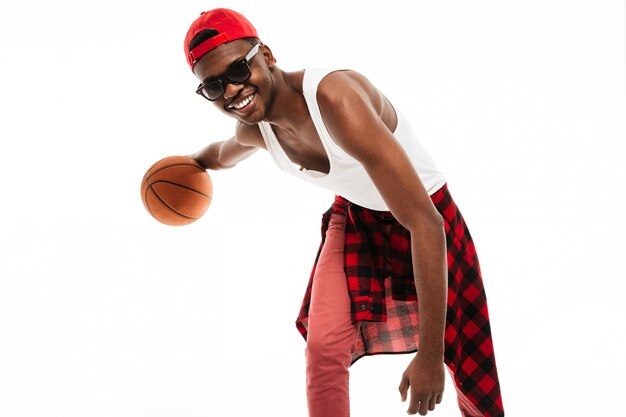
x=176, y=190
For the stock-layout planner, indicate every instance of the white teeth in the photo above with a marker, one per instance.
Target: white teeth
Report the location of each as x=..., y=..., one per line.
x=243, y=102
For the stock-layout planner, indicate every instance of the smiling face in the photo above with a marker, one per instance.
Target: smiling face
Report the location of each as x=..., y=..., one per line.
x=250, y=101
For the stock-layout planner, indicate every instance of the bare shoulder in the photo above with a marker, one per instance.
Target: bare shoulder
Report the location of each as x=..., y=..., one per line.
x=341, y=87
x=347, y=95
x=249, y=135
x=345, y=78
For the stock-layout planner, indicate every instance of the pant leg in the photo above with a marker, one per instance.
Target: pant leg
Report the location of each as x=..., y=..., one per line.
x=331, y=336
x=465, y=405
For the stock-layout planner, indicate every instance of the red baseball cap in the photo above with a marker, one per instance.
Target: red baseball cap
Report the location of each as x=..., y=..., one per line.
x=230, y=26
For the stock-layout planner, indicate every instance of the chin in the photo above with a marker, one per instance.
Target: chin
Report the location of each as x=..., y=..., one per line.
x=251, y=119
x=249, y=122
x=254, y=114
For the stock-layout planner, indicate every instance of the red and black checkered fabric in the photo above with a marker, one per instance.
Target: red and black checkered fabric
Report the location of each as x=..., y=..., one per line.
x=379, y=272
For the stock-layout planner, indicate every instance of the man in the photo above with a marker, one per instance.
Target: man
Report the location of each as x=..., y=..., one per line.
x=392, y=237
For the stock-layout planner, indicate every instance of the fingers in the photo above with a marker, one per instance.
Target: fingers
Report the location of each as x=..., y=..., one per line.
x=420, y=402
x=433, y=402
x=404, y=386
x=418, y=405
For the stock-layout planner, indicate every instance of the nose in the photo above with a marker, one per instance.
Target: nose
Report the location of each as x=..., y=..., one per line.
x=231, y=90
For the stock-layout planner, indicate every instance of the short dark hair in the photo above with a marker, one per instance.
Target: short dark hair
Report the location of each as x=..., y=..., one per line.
x=205, y=34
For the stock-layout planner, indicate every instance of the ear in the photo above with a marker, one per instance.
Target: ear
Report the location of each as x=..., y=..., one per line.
x=268, y=55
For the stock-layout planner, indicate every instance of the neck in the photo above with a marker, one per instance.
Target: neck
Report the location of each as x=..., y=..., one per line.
x=288, y=105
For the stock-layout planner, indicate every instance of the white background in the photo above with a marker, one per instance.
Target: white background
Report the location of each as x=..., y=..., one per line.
x=105, y=312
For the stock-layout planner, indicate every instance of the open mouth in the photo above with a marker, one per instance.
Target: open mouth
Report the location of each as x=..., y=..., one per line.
x=242, y=104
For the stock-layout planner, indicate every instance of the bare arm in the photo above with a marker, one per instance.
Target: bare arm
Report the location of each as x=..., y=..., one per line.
x=226, y=154
x=348, y=108
x=351, y=108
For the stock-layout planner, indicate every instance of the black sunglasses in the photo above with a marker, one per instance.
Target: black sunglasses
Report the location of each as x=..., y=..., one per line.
x=237, y=73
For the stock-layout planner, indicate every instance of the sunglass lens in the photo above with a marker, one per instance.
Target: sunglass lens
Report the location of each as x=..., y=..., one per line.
x=238, y=72
x=213, y=90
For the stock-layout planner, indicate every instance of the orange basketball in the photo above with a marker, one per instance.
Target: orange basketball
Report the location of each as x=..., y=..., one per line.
x=176, y=190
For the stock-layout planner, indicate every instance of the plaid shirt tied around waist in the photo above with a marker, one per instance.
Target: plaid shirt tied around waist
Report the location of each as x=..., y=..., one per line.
x=379, y=272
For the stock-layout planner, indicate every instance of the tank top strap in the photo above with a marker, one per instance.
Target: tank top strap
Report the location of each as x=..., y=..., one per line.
x=310, y=82
x=275, y=150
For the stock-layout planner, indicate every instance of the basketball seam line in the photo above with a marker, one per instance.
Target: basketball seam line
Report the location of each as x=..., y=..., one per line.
x=182, y=186
x=170, y=207
x=146, y=179
x=148, y=202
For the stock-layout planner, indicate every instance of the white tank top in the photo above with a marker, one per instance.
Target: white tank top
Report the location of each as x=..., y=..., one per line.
x=347, y=177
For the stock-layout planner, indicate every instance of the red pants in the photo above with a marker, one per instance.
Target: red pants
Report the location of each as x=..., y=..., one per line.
x=332, y=336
